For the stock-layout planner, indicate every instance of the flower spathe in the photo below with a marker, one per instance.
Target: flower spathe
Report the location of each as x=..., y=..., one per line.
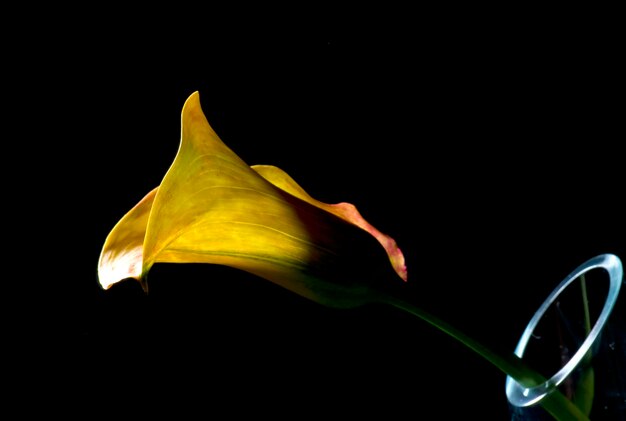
x=212, y=207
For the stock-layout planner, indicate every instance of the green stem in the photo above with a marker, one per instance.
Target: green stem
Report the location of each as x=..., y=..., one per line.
x=583, y=285
x=554, y=403
x=584, y=390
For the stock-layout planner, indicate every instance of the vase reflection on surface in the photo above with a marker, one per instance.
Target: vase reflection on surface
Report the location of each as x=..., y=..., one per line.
x=577, y=340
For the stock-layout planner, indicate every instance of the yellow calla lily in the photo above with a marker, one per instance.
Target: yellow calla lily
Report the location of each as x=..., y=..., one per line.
x=212, y=207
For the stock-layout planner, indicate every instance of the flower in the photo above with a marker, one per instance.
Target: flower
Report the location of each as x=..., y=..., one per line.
x=211, y=207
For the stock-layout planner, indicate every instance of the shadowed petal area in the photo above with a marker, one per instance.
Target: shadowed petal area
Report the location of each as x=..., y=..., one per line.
x=346, y=211
x=212, y=207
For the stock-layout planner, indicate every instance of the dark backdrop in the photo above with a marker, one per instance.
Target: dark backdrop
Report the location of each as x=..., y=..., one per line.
x=489, y=151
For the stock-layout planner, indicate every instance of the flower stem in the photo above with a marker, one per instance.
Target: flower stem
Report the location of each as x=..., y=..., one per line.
x=554, y=403
x=583, y=285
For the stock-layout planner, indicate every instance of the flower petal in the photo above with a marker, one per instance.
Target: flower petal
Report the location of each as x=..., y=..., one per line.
x=346, y=211
x=122, y=254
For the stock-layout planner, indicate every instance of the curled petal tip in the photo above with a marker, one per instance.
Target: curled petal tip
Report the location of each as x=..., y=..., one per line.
x=122, y=254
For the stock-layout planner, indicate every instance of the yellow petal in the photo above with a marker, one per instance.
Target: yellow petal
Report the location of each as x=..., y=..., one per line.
x=122, y=254
x=346, y=211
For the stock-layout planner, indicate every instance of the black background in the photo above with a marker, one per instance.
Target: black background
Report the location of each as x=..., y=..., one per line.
x=488, y=148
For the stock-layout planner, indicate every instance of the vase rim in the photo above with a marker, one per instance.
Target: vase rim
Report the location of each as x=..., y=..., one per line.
x=522, y=396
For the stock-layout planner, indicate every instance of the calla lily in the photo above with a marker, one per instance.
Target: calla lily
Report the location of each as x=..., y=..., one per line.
x=211, y=207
